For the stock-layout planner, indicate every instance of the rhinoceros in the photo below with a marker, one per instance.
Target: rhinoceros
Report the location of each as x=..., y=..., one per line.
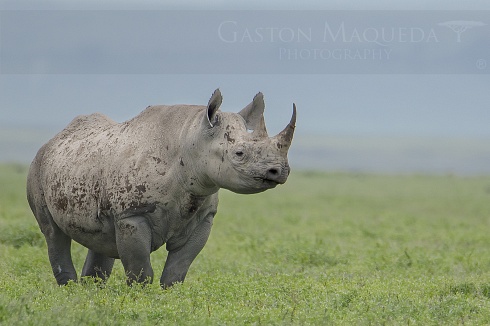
x=125, y=189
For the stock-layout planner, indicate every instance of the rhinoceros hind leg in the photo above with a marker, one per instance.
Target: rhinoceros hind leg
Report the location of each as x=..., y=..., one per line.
x=97, y=266
x=59, y=246
x=59, y=251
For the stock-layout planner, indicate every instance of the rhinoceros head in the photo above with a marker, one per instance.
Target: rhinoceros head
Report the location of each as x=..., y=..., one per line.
x=243, y=158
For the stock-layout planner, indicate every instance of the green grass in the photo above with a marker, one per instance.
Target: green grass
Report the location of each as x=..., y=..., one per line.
x=323, y=249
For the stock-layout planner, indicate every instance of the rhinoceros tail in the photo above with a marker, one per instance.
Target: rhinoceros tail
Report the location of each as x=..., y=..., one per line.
x=34, y=188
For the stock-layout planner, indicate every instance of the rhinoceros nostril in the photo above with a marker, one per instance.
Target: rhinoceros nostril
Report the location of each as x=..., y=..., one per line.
x=276, y=175
x=273, y=172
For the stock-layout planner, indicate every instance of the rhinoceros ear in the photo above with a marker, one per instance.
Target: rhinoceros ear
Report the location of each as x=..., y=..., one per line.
x=254, y=115
x=213, y=106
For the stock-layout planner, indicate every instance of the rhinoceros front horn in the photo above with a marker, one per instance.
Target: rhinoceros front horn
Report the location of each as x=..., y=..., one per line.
x=285, y=137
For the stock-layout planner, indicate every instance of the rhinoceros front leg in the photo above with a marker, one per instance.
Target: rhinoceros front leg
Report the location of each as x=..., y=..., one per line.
x=179, y=261
x=97, y=265
x=133, y=240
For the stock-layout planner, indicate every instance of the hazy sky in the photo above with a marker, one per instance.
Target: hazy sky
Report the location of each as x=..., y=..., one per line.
x=377, y=68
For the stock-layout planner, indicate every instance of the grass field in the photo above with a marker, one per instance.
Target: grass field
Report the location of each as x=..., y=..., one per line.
x=323, y=249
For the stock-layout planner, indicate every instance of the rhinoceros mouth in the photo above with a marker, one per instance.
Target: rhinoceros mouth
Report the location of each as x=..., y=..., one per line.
x=267, y=182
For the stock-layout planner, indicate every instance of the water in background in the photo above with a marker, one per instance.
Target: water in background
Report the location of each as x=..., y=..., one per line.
x=360, y=154
x=406, y=155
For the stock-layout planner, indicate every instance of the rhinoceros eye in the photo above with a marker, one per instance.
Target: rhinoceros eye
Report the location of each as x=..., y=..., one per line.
x=239, y=153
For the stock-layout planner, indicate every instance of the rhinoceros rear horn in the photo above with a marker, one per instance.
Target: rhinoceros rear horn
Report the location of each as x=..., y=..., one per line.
x=285, y=137
x=253, y=114
x=213, y=106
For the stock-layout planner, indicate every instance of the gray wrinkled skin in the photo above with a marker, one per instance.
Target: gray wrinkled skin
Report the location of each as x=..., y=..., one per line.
x=124, y=189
